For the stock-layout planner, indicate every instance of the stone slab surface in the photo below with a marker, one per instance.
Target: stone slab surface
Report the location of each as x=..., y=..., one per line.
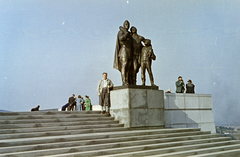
x=189, y=110
x=138, y=107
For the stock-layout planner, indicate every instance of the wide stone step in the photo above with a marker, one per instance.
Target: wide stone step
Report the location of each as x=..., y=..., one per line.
x=15, y=127
x=220, y=151
x=163, y=151
x=28, y=121
x=25, y=117
x=226, y=153
x=48, y=113
x=38, y=128
x=113, y=145
x=135, y=150
x=150, y=139
x=122, y=132
x=64, y=132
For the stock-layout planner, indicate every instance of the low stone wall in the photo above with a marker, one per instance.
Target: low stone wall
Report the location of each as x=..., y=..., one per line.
x=189, y=111
x=138, y=107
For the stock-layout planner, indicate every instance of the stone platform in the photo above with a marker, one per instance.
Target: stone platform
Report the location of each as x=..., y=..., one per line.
x=138, y=106
x=189, y=111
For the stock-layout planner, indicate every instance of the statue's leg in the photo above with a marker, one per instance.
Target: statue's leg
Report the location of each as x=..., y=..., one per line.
x=143, y=70
x=149, y=69
x=124, y=70
x=128, y=74
x=135, y=68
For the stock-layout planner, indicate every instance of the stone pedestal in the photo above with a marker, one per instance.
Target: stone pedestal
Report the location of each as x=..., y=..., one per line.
x=138, y=106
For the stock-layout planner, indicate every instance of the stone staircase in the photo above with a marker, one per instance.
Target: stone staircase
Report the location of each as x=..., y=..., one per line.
x=89, y=133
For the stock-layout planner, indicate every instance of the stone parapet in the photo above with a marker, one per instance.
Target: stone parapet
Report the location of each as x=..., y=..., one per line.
x=189, y=111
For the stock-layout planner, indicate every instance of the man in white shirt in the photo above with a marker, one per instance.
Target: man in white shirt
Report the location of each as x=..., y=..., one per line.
x=103, y=89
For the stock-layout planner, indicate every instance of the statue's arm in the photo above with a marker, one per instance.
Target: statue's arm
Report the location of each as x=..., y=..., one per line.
x=122, y=35
x=142, y=38
x=153, y=56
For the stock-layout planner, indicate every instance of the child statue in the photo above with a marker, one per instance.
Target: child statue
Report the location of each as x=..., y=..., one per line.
x=146, y=58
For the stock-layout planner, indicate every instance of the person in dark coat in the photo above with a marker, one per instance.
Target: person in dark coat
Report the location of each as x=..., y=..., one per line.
x=190, y=87
x=65, y=106
x=72, y=102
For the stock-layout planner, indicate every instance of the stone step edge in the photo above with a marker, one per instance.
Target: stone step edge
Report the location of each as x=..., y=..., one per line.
x=59, y=129
x=105, y=140
x=116, y=146
x=22, y=117
x=128, y=130
x=61, y=132
x=229, y=153
x=202, y=151
x=46, y=113
x=38, y=126
x=56, y=120
x=175, y=153
x=137, y=148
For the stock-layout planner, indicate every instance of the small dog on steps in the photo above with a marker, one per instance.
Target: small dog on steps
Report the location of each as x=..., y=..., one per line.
x=36, y=108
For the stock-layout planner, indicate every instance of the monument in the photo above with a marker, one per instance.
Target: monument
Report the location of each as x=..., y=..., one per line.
x=135, y=105
x=147, y=106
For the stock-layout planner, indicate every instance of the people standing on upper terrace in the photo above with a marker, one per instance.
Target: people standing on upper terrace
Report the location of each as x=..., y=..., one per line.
x=190, y=87
x=72, y=102
x=103, y=89
x=180, y=85
x=88, y=103
x=79, y=104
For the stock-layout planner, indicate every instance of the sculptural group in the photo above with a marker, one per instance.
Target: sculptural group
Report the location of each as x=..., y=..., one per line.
x=131, y=54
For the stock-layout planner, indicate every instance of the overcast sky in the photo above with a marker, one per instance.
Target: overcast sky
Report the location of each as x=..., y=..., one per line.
x=50, y=49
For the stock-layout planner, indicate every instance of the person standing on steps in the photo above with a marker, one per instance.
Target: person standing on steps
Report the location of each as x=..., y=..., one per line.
x=88, y=103
x=71, y=102
x=103, y=89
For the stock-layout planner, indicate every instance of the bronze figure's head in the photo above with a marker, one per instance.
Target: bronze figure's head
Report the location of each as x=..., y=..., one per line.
x=133, y=29
x=126, y=24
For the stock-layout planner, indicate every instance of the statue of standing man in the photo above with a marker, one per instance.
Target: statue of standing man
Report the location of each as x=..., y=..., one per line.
x=137, y=48
x=123, y=53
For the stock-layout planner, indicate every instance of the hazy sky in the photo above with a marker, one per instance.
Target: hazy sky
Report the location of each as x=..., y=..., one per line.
x=50, y=49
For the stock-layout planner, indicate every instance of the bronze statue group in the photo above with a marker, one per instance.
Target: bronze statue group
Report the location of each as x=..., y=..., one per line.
x=131, y=54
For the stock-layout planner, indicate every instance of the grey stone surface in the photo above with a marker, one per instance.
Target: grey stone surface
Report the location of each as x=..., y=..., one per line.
x=122, y=115
x=139, y=117
x=138, y=98
x=189, y=110
x=155, y=116
x=135, y=87
x=138, y=107
x=155, y=96
x=81, y=140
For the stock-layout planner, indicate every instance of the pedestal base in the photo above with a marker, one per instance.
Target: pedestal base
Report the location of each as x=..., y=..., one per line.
x=138, y=106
